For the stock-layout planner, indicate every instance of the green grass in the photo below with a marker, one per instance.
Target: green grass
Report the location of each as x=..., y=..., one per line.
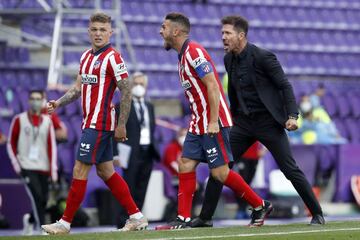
x=331, y=231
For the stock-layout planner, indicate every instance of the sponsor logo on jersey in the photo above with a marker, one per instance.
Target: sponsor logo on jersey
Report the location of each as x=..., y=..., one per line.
x=121, y=68
x=198, y=61
x=89, y=79
x=186, y=84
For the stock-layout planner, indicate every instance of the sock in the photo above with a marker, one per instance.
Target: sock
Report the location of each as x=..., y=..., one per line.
x=242, y=189
x=137, y=215
x=121, y=192
x=212, y=195
x=74, y=199
x=65, y=223
x=187, y=185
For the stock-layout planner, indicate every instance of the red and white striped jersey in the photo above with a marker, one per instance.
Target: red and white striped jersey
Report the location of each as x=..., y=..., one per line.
x=194, y=63
x=100, y=71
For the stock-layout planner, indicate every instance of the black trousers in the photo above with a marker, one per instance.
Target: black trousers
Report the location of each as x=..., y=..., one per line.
x=137, y=176
x=247, y=169
x=264, y=128
x=37, y=187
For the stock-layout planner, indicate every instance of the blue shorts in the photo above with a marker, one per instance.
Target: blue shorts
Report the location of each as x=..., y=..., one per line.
x=95, y=146
x=214, y=150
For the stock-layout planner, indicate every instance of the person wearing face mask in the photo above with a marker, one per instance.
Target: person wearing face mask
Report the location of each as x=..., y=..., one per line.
x=140, y=128
x=32, y=150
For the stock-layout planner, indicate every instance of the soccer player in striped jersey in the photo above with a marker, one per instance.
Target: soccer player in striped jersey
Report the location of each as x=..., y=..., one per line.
x=102, y=69
x=208, y=137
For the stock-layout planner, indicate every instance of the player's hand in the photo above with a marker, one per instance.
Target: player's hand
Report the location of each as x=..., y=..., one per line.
x=116, y=162
x=120, y=134
x=291, y=125
x=213, y=128
x=51, y=106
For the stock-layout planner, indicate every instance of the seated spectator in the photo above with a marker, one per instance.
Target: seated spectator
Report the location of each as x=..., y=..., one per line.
x=315, y=125
x=315, y=98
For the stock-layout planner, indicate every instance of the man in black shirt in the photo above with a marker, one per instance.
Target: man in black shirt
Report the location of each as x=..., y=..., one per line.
x=262, y=104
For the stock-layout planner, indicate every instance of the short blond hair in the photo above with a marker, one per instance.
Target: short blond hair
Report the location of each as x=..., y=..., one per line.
x=100, y=17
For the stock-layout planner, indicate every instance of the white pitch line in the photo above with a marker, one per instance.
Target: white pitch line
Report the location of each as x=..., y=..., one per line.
x=258, y=234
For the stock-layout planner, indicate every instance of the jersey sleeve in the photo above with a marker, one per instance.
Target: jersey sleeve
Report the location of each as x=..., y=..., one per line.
x=12, y=144
x=118, y=67
x=197, y=60
x=55, y=121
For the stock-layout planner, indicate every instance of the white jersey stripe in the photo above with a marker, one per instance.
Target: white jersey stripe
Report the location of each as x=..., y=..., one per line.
x=88, y=92
x=101, y=89
x=226, y=110
x=83, y=55
x=198, y=90
x=196, y=116
x=113, y=114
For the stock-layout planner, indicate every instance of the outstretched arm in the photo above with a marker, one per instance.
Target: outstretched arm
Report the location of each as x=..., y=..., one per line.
x=71, y=95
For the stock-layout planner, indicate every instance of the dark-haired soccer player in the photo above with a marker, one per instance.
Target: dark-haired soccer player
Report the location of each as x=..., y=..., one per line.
x=208, y=136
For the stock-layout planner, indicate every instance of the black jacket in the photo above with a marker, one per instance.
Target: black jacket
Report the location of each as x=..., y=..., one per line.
x=270, y=82
x=133, y=132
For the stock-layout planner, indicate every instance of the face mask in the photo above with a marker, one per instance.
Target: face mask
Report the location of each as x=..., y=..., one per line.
x=181, y=140
x=36, y=105
x=305, y=107
x=9, y=96
x=138, y=91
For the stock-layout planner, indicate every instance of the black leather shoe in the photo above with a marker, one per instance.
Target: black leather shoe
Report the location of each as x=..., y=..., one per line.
x=317, y=219
x=198, y=222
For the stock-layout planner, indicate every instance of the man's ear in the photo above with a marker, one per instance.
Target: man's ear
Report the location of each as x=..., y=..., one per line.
x=241, y=35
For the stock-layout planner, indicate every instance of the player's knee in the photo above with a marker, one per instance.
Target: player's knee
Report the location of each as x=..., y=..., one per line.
x=186, y=165
x=81, y=170
x=220, y=173
x=104, y=174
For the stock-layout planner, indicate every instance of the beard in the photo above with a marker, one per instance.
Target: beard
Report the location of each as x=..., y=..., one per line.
x=167, y=46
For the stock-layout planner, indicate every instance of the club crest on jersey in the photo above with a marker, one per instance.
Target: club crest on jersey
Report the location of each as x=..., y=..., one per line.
x=206, y=68
x=89, y=79
x=97, y=64
x=198, y=61
x=186, y=84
